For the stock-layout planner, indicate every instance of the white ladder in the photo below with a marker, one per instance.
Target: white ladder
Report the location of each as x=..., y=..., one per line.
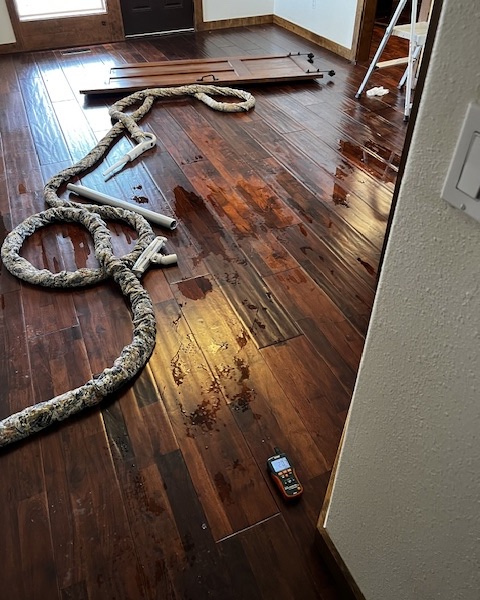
x=416, y=33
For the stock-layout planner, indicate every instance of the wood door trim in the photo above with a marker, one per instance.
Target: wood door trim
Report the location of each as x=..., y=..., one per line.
x=363, y=30
x=17, y=46
x=198, y=15
x=313, y=37
x=229, y=23
x=26, y=43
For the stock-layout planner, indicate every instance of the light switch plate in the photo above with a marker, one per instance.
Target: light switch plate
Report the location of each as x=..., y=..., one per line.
x=460, y=166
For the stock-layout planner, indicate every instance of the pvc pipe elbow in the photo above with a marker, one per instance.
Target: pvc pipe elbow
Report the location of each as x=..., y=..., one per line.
x=166, y=260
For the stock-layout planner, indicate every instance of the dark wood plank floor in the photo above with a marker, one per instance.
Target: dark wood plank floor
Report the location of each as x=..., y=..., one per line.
x=163, y=493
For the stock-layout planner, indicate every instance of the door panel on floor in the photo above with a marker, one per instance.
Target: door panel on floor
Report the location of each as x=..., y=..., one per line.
x=219, y=71
x=152, y=16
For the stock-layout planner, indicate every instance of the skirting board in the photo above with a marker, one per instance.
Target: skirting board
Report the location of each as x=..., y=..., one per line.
x=239, y=22
x=288, y=25
x=326, y=547
x=9, y=48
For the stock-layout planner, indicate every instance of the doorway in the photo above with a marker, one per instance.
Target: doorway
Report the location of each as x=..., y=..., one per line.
x=64, y=24
x=143, y=17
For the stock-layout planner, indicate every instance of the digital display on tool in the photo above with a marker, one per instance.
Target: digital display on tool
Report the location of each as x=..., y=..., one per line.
x=280, y=464
x=284, y=475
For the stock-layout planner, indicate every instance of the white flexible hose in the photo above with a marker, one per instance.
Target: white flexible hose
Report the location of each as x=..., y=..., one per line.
x=135, y=355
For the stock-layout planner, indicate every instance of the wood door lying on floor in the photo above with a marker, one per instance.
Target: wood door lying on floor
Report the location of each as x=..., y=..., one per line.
x=161, y=492
x=218, y=71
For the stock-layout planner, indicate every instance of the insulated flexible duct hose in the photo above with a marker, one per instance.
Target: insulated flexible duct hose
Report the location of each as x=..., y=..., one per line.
x=135, y=355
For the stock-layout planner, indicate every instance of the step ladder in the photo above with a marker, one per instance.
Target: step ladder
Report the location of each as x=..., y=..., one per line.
x=416, y=33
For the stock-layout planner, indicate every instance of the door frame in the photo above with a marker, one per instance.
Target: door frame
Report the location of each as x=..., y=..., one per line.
x=45, y=39
x=363, y=30
x=198, y=21
x=46, y=34
x=196, y=25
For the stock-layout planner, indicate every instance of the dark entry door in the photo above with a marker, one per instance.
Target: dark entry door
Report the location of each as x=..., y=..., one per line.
x=152, y=16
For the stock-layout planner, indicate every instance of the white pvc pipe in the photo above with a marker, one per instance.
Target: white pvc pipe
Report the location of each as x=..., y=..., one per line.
x=151, y=216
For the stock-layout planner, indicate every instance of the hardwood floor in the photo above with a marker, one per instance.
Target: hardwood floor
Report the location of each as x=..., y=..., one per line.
x=163, y=492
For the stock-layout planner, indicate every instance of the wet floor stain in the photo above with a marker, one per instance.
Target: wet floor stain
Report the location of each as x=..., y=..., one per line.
x=176, y=321
x=205, y=415
x=151, y=507
x=154, y=507
x=237, y=466
x=368, y=267
x=193, y=211
x=213, y=388
x=256, y=323
x=232, y=278
x=249, y=305
x=243, y=368
x=303, y=230
x=224, y=488
x=341, y=174
x=225, y=371
x=178, y=373
x=340, y=198
x=261, y=199
x=22, y=188
x=188, y=203
x=195, y=289
x=241, y=402
x=242, y=340
x=140, y=199
x=194, y=159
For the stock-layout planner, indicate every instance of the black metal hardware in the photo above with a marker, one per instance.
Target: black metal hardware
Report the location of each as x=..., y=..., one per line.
x=209, y=75
x=331, y=72
x=309, y=55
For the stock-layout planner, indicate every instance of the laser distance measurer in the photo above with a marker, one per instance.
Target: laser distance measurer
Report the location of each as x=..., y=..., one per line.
x=284, y=475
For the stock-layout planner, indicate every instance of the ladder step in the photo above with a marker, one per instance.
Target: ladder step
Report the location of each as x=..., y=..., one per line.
x=403, y=31
x=392, y=63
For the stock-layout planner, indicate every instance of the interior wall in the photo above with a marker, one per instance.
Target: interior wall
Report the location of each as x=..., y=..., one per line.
x=404, y=511
x=6, y=31
x=218, y=10
x=330, y=19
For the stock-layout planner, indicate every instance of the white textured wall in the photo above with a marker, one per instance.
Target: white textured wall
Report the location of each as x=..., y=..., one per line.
x=405, y=510
x=6, y=32
x=332, y=19
x=218, y=10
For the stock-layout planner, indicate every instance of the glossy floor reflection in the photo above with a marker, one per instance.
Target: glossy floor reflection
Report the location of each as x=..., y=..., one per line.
x=163, y=493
